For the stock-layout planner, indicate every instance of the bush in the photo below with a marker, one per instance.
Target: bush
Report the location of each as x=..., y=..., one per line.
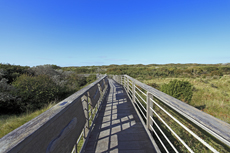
x=8, y=102
x=74, y=82
x=181, y=90
x=91, y=78
x=44, y=70
x=35, y=92
x=11, y=72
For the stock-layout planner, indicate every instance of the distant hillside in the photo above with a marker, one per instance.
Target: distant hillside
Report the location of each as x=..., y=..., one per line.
x=157, y=70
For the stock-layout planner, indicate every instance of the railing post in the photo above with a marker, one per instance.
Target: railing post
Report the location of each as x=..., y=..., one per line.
x=149, y=112
x=86, y=111
x=124, y=83
x=133, y=90
x=104, y=82
x=127, y=85
x=101, y=92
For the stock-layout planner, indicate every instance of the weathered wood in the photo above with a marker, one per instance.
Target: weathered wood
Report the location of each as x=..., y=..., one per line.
x=55, y=130
x=95, y=99
x=216, y=127
x=102, y=85
x=118, y=127
x=149, y=112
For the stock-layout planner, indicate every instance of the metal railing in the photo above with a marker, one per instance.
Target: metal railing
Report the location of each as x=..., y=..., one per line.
x=175, y=125
x=63, y=128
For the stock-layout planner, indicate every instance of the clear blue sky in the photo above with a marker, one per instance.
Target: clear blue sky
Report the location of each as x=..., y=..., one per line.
x=104, y=32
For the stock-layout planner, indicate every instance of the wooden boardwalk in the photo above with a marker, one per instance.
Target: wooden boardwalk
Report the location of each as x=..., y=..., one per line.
x=118, y=128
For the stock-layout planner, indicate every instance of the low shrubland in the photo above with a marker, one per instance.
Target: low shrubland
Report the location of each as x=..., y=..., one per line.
x=26, y=92
x=24, y=89
x=33, y=88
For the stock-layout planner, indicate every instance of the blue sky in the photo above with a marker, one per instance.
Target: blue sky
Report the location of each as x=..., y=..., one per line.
x=104, y=32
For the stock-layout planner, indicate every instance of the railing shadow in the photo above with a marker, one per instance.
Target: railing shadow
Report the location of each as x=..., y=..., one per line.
x=117, y=127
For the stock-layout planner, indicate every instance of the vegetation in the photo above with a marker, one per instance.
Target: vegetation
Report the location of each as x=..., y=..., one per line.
x=179, y=89
x=204, y=86
x=193, y=143
x=210, y=94
x=25, y=88
x=210, y=81
x=26, y=92
x=35, y=92
x=152, y=71
x=9, y=122
x=210, y=85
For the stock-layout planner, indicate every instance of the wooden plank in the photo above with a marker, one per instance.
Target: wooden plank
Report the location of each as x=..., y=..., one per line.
x=118, y=127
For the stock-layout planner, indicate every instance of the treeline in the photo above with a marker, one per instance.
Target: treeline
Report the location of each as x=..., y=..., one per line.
x=154, y=70
x=25, y=88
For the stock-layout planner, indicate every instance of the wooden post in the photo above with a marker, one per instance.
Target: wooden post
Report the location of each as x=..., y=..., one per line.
x=86, y=111
x=75, y=149
x=133, y=90
x=101, y=93
x=149, y=112
x=104, y=83
x=124, y=83
x=127, y=86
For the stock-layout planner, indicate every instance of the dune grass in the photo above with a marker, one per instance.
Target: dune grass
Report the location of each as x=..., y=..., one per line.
x=10, y=122
x=211, y=94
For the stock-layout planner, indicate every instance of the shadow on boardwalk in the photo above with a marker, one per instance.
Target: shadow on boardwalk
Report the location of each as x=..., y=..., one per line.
x=117, y=128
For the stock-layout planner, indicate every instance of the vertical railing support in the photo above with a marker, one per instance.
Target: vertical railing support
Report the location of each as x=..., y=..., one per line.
x=124, y=82
x=133, y=91
x=149, y=112
x=101, y=93
x=127, y=85
x=104, y=82
x=86, y=111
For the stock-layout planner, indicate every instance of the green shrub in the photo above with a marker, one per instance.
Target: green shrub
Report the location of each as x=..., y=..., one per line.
x=181, y=90
x=8, y=102
x=91, y=78
x=35, y=92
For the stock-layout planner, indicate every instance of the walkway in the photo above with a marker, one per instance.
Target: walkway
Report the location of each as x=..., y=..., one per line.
x=118, y=128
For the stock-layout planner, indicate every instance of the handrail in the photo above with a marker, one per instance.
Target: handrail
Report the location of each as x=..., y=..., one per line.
x=217, y=128
x=60, y=128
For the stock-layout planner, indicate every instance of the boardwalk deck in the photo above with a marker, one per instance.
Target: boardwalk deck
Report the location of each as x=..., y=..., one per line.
x=118, y=127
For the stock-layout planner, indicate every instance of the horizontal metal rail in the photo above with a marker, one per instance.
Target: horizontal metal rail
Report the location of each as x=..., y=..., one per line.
x=187, y=129
x=140, y=91
x=141, y=98
x=217, y=128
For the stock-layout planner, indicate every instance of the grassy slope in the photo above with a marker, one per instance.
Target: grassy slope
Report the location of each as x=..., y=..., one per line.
x=211, y=94
x=10, y=122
